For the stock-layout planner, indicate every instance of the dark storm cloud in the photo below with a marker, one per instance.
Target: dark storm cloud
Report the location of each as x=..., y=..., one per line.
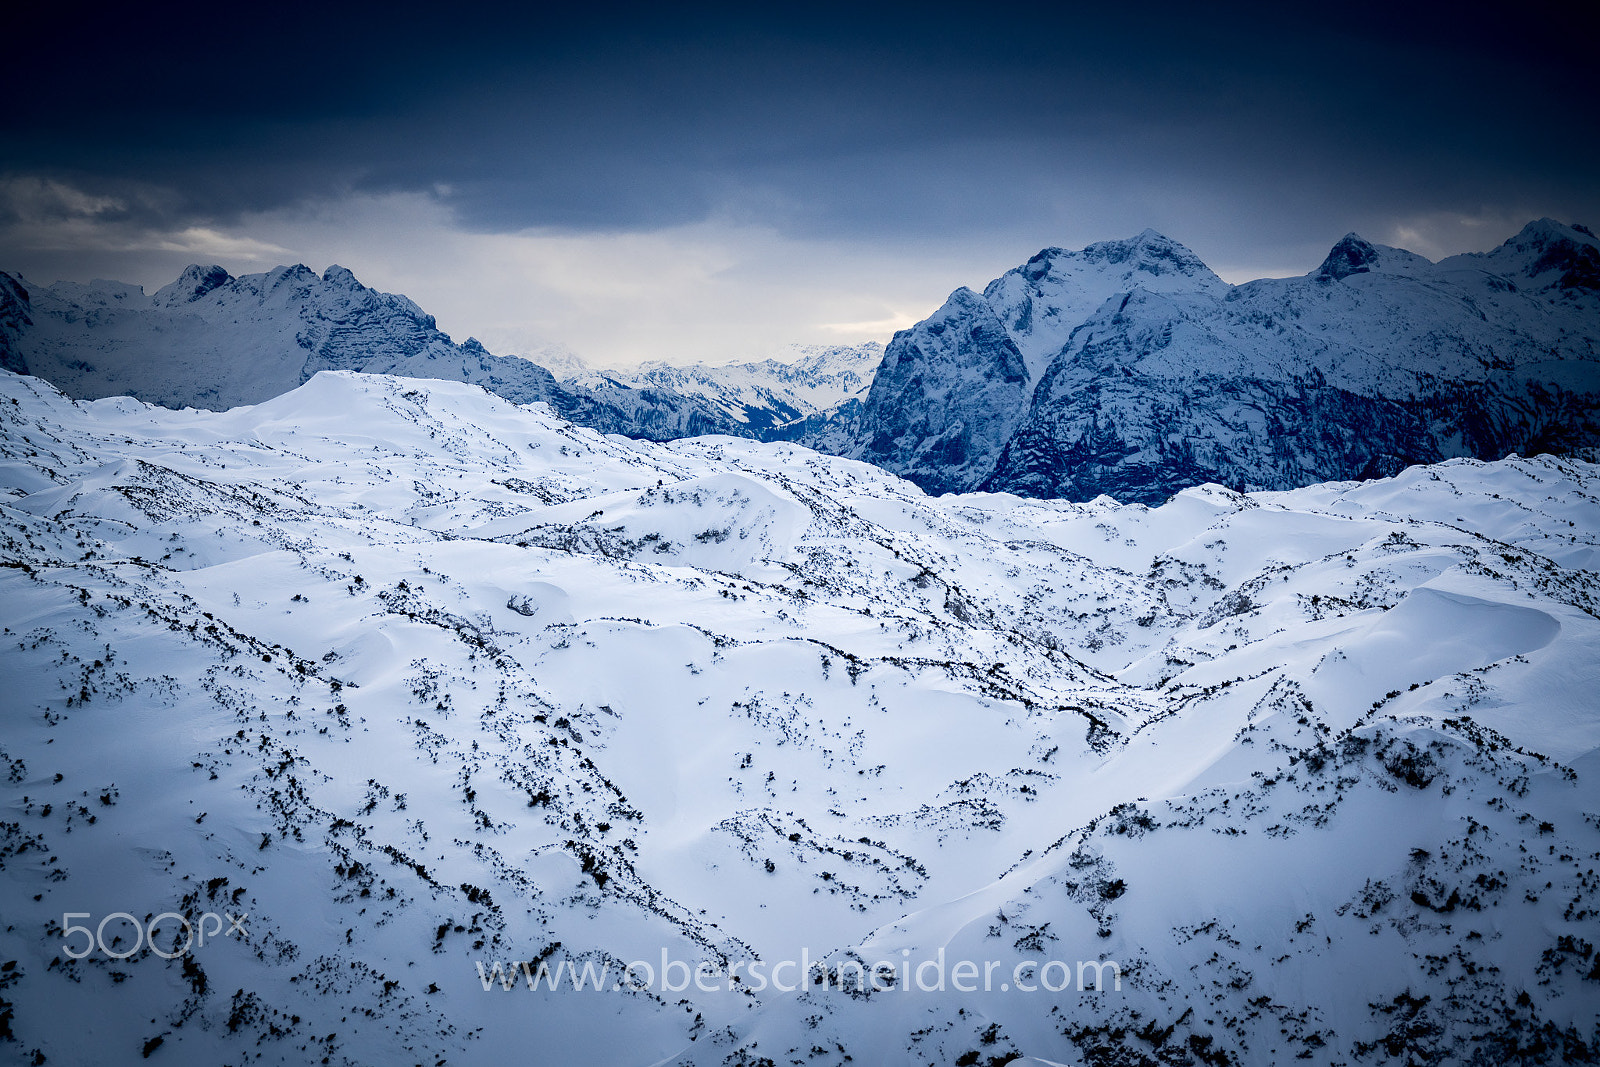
x=904, y=121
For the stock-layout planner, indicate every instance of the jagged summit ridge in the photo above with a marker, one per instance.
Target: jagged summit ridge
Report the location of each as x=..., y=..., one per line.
x=1149, y=251
x=338, y=275
x=1042, y=301
x=1354, y=254
x=212, y=340
x=953, y=389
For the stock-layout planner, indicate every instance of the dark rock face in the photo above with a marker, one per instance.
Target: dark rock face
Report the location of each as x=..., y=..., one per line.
x=195, y=282
x=1127, y=440
x=1578, y=264
x=14, y=318
x=1351, y=255
x=949, y=392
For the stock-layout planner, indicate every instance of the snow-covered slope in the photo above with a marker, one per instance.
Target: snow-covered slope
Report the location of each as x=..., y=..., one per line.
x=421, y=681
x=1129, y=368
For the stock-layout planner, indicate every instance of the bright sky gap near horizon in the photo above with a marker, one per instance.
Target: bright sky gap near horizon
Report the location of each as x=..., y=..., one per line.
x=707, y=184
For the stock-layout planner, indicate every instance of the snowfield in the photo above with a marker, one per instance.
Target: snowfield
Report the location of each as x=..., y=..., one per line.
x=428, y=686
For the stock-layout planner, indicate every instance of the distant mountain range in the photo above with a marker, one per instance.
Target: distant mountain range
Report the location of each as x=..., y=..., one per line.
x=1126, y=368
x=774, y=399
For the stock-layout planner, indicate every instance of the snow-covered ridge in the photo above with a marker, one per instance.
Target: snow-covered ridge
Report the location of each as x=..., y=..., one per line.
x=418, y=679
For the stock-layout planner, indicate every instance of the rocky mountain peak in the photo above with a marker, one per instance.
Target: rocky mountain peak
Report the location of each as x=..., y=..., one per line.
x=1150, y=252
x=195, y=282
x=1352, y=255
x=1571, y=252
x=1562, y=261
x=1544, y=232
x=341, y=276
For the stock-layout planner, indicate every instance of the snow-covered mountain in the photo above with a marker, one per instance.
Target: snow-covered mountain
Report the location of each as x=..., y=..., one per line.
x=426, y=686
x=776, y=398
x=210, y=340
x=214, y=341
x=1129, y=368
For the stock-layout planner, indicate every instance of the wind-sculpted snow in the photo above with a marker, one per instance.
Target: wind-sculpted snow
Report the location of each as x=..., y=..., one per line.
x=415, y=680
x=1146, y=374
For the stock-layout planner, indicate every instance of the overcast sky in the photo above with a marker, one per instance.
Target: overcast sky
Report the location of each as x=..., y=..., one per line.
x=710, y=182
